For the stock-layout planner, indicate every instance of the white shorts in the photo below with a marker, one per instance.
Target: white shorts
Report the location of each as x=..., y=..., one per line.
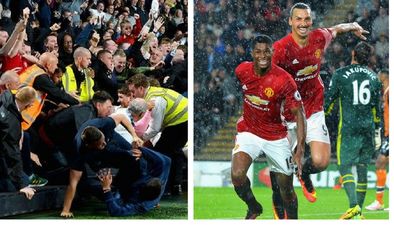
x=278, y=153
x=316, y=129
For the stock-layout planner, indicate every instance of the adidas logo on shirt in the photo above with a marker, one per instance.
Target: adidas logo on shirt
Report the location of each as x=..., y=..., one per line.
x=295, y=61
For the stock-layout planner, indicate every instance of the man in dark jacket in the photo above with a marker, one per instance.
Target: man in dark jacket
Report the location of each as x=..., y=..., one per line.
x=104, y=78
x=12, y=177
x=59, y=131
x=146, y=192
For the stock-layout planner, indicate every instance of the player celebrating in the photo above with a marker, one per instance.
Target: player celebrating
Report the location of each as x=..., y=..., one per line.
x=358, y=90
x=300, y=54
x=267, y=92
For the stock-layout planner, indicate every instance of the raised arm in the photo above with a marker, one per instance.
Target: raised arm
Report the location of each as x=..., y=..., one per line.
x=347, y=27
x=19, y=28
x=124, y=121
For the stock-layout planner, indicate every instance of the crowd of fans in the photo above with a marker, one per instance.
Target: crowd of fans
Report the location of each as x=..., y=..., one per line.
x=223, y=30
x=80, y=56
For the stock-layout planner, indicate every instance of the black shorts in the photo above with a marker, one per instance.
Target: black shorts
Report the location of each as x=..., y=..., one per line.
x=384, y=149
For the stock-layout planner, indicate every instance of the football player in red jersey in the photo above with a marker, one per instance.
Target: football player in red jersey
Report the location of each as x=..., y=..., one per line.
x=267, y=92
x=300, y=54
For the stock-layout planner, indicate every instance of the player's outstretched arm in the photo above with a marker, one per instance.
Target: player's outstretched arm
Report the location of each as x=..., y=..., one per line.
x=349, y=27
x=301, y=135
x=75, y=176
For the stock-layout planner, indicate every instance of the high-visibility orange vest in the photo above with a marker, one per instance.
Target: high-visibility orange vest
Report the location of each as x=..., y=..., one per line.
x=27, y=79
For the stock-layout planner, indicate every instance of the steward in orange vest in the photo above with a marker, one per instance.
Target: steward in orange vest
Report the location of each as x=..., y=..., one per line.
x=37, y=76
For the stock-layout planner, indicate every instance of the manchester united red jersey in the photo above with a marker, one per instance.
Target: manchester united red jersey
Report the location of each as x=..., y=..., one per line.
x=264, y=99
x=303, y=63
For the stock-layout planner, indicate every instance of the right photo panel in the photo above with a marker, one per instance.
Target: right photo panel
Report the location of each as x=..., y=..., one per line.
x=291, y=109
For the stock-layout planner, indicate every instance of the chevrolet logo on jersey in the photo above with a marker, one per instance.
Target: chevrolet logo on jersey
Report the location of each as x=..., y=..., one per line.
x=307, y=70
x=256, y=100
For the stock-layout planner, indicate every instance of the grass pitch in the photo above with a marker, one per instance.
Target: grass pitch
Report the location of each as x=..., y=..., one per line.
x=223, y=203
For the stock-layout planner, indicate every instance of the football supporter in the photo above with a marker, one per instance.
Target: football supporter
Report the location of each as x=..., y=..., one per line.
x=146, y=191
x=267, y=90
x=106, y=148
x=170, y=116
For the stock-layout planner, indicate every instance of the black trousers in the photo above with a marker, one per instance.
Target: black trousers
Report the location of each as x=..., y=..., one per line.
x=171, y=142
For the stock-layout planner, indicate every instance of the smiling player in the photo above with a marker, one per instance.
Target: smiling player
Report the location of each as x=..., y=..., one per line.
x=300, y=54
x=267, y=90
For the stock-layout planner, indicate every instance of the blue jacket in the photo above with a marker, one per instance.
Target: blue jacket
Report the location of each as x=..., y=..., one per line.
x=153, y=164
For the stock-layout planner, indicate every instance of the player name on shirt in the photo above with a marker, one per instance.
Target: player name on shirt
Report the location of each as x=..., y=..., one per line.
x=358, y=70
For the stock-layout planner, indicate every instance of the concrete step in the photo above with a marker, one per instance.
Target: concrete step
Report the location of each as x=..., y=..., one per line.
x=15, y=203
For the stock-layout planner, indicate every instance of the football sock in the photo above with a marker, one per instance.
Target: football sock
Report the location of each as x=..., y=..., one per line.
x=291, y=207
x=245, y=193
x=277, y=201
x=349, y=184
x=380, y=185
x=288, y=196
x=361, y=183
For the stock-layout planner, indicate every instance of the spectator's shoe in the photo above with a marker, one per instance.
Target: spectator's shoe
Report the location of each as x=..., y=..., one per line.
x=36, y=181
x=307, y=188
x=254, y=211
x=351, y=212
x=375, y=206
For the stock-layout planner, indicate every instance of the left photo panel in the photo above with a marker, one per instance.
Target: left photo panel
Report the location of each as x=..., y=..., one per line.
x=93, y=109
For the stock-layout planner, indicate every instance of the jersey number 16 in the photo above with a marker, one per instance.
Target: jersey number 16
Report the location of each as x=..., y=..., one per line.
x=361, y=94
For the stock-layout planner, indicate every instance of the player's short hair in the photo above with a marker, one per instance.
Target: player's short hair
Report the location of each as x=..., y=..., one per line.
x=299, y=5
x=362, y=52
x=261, y=39
x=91, y=134
x=101, y=97
x=151, y=190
